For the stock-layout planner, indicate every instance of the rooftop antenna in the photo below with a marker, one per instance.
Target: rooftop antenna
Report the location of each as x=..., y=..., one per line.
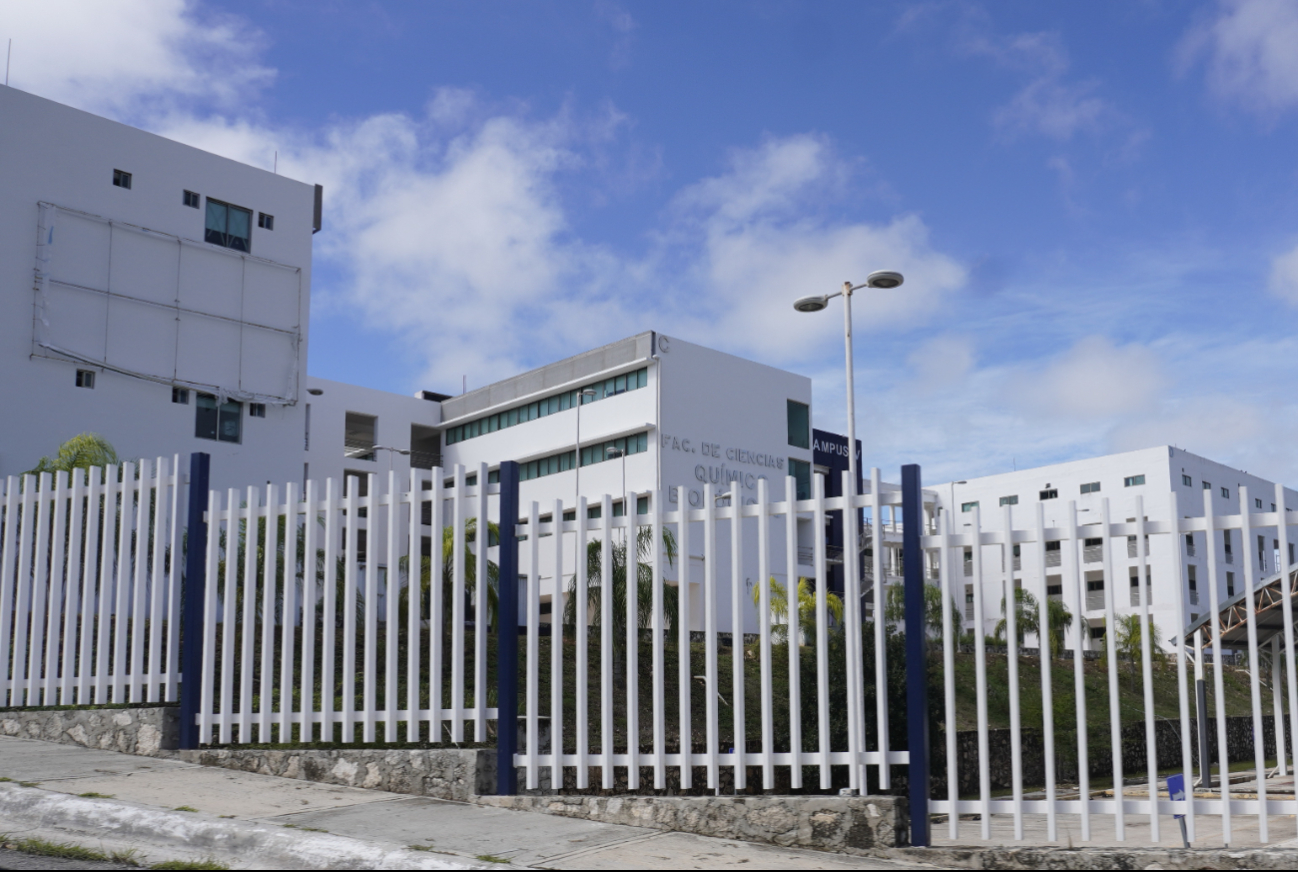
x=464, y=385
x=8, y=57
x=277, y=161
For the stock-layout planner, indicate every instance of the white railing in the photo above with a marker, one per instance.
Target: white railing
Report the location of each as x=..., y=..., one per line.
x=1144, y=795
x=89, y=586
x=332, y=648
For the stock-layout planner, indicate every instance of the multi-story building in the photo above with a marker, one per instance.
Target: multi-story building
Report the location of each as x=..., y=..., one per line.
x=151, y=292
x=1152, y=474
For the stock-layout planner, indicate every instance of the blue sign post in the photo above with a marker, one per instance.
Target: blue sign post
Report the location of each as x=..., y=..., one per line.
x=912, y=518
x=1176, y=791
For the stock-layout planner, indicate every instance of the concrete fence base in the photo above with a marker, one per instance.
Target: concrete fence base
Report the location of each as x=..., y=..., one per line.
x=147, y=732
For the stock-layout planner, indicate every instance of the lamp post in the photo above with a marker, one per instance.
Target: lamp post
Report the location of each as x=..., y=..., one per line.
x=576, y=466
x=883, y=280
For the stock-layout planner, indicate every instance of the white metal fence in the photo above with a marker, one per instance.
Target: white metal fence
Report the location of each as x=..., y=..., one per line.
x=1141, y=794
x=89, y=586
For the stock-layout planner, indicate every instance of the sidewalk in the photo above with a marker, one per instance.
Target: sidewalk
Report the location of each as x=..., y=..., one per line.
x=261, y=821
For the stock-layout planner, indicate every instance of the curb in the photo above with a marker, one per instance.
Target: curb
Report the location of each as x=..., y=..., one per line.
x=240, y=843
x=1274, y=857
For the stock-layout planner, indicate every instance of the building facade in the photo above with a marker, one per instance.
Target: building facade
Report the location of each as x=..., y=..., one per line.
x=1152, y=475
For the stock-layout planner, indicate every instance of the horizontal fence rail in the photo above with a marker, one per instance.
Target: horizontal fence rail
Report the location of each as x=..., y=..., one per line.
x=90, y=585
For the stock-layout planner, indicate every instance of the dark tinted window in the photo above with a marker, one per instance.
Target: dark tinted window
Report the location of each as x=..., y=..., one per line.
x=229, y=226
x=799, y=424
x=222, y=423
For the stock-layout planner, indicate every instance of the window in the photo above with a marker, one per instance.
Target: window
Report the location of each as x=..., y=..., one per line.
x=560, y=402
x=180, y=396
x=1207, y=485
x=614, y=449
x=1194, y=578
x=1097, y=632
x=426, y=447
x=1189, y=544
x=228, y=226
x=121, y=179
x=85, y=378
x=1225, y=493
x=265, y=222
x=1054, y=590
x=968, y=507
x=799, y=424
x=1133, y=481
x=1230, y=584
x=191, y=199
x=360, y=436
x=1050, y=493
x=547, y=466
x=1052, y=546
x=1225, y=536
x=1097, y=542
x=256, y=410
x=801, y=472
x=1010, y=501
x=1258, y=503
x=1291, y=560
x=1186, y=480
x=222, y=422
x=1091, y=487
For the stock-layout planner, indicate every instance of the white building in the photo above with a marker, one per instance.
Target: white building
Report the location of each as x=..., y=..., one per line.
x=1152, y=474
x=150, y=292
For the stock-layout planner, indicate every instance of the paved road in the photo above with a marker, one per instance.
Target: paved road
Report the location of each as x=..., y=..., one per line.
x=15, y=860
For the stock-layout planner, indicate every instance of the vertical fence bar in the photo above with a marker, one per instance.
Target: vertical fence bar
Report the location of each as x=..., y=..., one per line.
x=1074, y=581
x=415, y=606
x=306, y=679
x=658, y=625
x=980, y=673
x=1147, y=668
x=348, y=607
x=229, y=597
x=392, y=599
x=851, y=518
x=1183, y=702
x=711, y=670
x=250, y=536
x=174, y=547
x=481, y=618
x=459, y=546
x=1010, y=606
x=1045, y=645
x=8, y=588
x=507, y=633
x=556, y=654
x=369, y=698
x=436, y=598
x=156, y=583
x=793, y=619
x=329, y=628
x=684, y=620
x=1115, y=706
x=266, y=675
x=606, y=653
x=912, y=509
x=198, y=602
x=581, y=629
x=1254, y=659
x=1223, y=755
x=288, y=606
x=854, y=647
x=764, y=631
x=737, y=701
x=534, y=645
x=136, y=625
x=632, y=583
x=1277, y=700
x=207, y=716
x=55, y=602
x=39, y=584
x=89, y=590
x=949, y=631
x=121, y=609
x=104, y=597
x=1286, y=585
x=72, y=607
x=822, y=625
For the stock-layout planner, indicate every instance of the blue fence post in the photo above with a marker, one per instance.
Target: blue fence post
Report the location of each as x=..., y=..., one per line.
x=192, y=597
x=912, y=516
x=507, y=634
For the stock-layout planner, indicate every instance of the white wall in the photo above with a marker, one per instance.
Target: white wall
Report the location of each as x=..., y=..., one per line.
x=59, y=155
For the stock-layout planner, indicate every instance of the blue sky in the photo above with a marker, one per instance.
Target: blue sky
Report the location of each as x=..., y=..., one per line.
x=1095, y=205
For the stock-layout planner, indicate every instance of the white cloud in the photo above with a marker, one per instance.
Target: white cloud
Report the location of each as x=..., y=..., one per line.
x=1250, y=50
x=1093, y=380
x=111, y=57
x=1284, y=276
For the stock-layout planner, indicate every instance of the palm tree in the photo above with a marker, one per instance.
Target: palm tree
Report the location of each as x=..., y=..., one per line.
x=1129, y=639
x=644, y=541
x=807, y=626
x=470, y=561
x=1027, y=620
x=895, y=609
x=79, y=452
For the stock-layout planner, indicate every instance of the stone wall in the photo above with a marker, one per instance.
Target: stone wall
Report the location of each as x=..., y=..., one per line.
x=846, y=824
x=441, y=773
x=148, y=732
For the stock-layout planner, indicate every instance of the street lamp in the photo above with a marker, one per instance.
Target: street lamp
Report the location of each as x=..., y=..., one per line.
x=882, y=280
